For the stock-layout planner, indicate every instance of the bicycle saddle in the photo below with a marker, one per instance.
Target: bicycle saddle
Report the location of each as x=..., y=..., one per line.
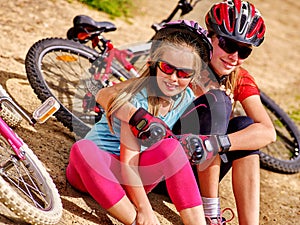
x=86, y=21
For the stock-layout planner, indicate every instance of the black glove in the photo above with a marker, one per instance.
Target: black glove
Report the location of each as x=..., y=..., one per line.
x=148, y=128
x=200, y=148
x=193, y=147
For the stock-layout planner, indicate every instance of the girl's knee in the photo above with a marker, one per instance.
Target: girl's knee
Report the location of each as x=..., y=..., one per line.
x=239, y=123
x=165, y=147
x=74, y=178
x=164, y=153
x=82, y=149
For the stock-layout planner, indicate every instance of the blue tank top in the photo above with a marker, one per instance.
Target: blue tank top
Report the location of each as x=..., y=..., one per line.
x=105, y=140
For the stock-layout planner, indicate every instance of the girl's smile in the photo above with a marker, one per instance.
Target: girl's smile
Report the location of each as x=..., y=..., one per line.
x=179, y=61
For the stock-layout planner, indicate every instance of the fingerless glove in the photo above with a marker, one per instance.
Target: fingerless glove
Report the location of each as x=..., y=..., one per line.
x=148, y=128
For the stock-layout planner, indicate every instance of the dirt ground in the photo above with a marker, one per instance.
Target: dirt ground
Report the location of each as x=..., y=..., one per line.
x=274, y=65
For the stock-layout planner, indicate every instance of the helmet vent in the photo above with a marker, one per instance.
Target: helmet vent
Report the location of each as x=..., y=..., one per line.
x=243, y=21
x=244, y=6
x=253, y=24
x=218, y=13
x=231, y=17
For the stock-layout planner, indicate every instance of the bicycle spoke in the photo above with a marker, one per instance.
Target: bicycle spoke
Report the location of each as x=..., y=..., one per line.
x=17, y=176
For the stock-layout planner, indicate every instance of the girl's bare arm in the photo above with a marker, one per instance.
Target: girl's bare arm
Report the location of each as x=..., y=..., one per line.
x=105, y=96
x=258, y=134
x=129, y=157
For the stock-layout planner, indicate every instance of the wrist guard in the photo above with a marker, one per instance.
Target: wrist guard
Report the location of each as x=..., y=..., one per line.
x=148, y=128
x=200, y=148
x=193, y=147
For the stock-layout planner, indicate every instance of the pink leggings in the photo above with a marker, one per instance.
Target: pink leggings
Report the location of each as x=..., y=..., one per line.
x=98, y=172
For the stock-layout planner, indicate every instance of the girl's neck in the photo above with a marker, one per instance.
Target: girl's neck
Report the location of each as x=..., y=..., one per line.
x=164, y=100
x=166, y=104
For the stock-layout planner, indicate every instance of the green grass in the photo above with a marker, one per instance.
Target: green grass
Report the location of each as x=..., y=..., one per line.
x=115, y=8
x=295, y=115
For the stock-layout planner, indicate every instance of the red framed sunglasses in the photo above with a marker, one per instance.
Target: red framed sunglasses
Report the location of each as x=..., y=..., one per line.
x=181, y=73
x=231, y=46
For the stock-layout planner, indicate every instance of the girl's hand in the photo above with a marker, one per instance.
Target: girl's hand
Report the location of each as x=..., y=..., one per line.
x=146, y=217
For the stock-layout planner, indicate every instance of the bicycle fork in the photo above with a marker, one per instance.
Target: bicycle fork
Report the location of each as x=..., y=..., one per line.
x=40, y=115
x=12, y=138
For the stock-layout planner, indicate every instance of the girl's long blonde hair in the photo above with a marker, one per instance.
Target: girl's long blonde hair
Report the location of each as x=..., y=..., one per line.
x=176, y=40
x=231, y=82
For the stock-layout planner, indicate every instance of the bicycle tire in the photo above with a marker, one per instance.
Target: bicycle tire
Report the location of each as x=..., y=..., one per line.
x=55, y=67
x=9, y=115
x=26, y=188
x=283, y=155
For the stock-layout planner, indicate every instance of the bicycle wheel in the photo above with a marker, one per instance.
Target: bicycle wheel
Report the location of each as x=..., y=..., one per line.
x=282, y=155
x=9, y=115
x=64, y=69
x=26, y=188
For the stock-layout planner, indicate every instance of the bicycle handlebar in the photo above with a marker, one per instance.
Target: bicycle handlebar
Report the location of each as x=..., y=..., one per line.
x=184, y=5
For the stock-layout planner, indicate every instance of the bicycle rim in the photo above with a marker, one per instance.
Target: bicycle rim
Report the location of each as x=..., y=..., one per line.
x=26, y=188
x=282, y=155
x=58, y=67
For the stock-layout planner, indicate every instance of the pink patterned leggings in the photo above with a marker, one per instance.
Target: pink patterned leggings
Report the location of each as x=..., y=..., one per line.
x=98, y=173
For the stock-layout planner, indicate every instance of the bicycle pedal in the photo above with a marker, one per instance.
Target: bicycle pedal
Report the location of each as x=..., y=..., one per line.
x=47, y=109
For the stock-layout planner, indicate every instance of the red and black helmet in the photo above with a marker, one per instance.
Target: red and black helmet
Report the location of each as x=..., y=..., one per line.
x=237, y=20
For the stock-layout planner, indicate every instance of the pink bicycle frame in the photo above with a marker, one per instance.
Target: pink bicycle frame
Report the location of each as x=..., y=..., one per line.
x=15, y=142
x=41, y=114
x=13, y=139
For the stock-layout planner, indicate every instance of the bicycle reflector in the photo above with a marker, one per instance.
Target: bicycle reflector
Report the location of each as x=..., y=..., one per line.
x=47, y=109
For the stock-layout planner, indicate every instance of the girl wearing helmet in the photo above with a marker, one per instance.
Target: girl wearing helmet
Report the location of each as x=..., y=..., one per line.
x=234, y=27
x=111, y=165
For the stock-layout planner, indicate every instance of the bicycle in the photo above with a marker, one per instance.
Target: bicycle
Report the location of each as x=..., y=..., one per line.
x=73, y=72
x=26, y=187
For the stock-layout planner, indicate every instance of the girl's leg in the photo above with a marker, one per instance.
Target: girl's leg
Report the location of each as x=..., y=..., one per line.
x=212, y=110
x=194, y=215
x=94, y=171
x=213, y=120
x=167, y=159
x=245, y=176
x=209, y=179
x=208, y=114
x=123, y=211
x=209, y=186
x=236, y=124
x=246, y=186
x=184, y=195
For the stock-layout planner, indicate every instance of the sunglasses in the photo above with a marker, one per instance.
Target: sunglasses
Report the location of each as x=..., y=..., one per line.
x=231, y=46
x=181, y=73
